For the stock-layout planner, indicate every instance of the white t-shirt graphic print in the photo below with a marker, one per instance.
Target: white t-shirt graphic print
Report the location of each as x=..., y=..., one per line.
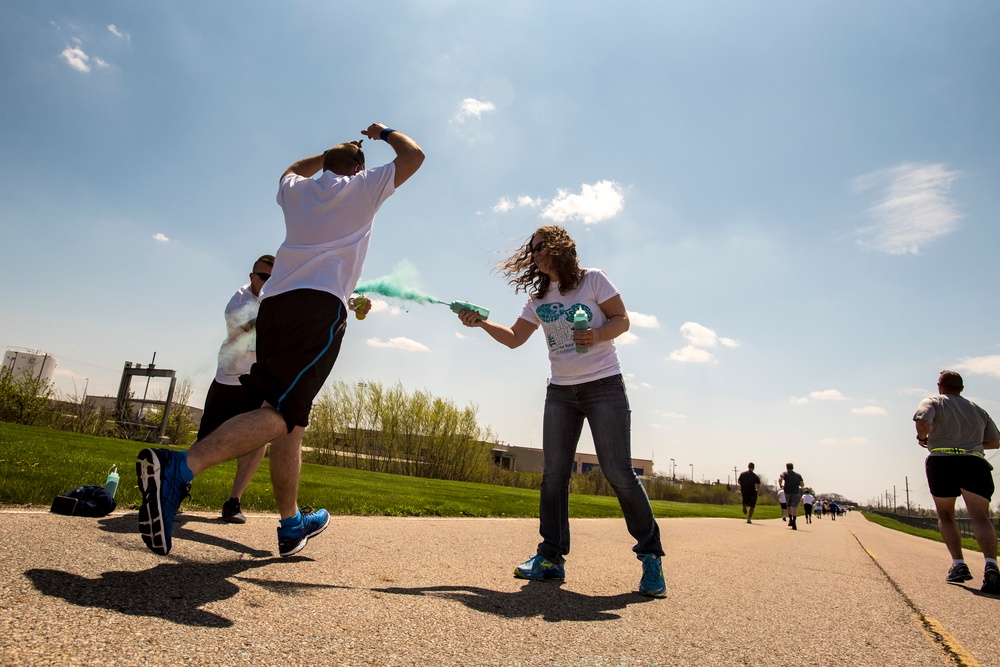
x=554, y=314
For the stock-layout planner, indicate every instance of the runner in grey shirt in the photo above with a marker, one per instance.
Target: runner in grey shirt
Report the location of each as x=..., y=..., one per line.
x=957, y=432
x=792, y=483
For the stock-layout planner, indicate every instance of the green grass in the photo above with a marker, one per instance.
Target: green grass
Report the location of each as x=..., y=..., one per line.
x=37, y=464
x=926, y=533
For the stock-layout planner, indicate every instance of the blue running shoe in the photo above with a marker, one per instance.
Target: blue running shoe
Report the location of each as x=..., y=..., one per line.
x=958, y=574
x=292, y=539
x=163, y=488
x=652, y=583
x=539, y=567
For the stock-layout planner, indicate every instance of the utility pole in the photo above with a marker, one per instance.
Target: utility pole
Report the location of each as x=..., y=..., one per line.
x=908, y=512
x=894, y=505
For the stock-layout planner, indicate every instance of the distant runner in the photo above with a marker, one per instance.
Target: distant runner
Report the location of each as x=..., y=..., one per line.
x=749, y=483
x=791, y=484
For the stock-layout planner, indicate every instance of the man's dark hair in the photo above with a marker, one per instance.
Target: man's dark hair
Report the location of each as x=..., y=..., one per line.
x=266, y=259
x=951, y=380
x=789, y=466
x=750, y=466
x=344, y=158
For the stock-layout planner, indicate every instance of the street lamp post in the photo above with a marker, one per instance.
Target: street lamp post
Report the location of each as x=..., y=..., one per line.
x=673, y=470
x=692, y=472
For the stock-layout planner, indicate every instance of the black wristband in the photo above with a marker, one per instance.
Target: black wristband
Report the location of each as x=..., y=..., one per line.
x=385, y=133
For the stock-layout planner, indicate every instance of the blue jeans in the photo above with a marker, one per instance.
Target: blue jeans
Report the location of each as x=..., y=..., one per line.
x=604, y=404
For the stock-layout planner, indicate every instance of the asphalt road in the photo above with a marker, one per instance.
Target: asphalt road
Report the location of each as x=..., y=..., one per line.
x=377, y=591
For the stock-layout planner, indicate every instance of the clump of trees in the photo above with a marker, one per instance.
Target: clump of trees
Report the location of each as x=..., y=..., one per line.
x=369, y=426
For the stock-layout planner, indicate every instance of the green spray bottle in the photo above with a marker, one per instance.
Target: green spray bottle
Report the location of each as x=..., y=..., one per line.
x=459, y=306
x=580, y=323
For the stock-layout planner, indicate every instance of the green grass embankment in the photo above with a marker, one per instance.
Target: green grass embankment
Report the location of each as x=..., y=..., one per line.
x=37, y=464
x=926, y=533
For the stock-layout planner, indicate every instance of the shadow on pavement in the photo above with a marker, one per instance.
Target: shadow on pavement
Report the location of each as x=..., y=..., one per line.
x=171, y=591
x=129, y=523
x=536, y=598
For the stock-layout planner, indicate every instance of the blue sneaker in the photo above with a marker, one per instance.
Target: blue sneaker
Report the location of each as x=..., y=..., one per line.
x=652, y=583
x=292, y=539
x=539, y=567
x=162, y=488
x=958, y=574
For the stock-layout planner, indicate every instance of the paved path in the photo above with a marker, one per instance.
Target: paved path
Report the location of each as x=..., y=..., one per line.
x=377, y=591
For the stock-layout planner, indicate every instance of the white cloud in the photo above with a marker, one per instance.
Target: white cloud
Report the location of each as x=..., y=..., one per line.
x=988, y=365
x=873, y=410
x=524, y=201
x=113, y=29
x=76, y=58
x=643, y=321
x=699, y=335
x=503, y=205
x=100, y=62
x=627, y=338
x=670, y=415
x=915, y=391
x=379, y=306
x=159, y=236
x=825, y=395
x=690, y=354
x=399, y=344
x=915, y=208
x=473, y=108
x=702, y=336
x=595, y=203
x=461, y=336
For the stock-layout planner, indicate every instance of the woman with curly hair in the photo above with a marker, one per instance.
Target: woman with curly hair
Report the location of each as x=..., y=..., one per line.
x=586, y=383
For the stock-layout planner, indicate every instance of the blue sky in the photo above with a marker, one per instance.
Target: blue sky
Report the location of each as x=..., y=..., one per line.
x=797, y=201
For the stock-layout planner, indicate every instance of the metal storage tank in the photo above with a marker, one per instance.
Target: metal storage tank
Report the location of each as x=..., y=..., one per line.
x=23, y=361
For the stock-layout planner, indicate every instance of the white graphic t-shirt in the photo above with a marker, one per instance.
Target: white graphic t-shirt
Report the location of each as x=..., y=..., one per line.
x=554, y=314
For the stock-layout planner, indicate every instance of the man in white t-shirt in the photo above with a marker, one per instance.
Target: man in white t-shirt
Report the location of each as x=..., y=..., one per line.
x=784, y=505
x=226, y=397
x=300, y=325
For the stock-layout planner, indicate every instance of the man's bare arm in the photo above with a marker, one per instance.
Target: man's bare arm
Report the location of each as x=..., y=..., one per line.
x=306, y=167
x=409, y=156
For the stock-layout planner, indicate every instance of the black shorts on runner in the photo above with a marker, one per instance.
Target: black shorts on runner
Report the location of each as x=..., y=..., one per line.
x=784, y=506
x=808, y=508
x=949, y=474
x=749, y=499
x=224, y=401
x=298, y=339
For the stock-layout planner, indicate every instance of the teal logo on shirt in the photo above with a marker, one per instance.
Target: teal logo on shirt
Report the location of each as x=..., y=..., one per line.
x=553, y=315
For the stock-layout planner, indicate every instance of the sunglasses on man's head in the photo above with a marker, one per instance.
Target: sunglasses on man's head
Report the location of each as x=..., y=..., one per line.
x=262, y=276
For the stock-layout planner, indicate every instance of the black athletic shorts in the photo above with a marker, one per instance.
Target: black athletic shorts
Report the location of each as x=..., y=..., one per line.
x=749, y=499
x=808, y=508
x=224, y=401
x=949, y=474
x=298, y=339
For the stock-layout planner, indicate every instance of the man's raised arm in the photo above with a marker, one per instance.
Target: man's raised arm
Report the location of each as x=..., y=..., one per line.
x=409, y=155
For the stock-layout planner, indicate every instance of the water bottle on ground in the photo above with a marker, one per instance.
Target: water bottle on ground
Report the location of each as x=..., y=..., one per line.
x=111, y=485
